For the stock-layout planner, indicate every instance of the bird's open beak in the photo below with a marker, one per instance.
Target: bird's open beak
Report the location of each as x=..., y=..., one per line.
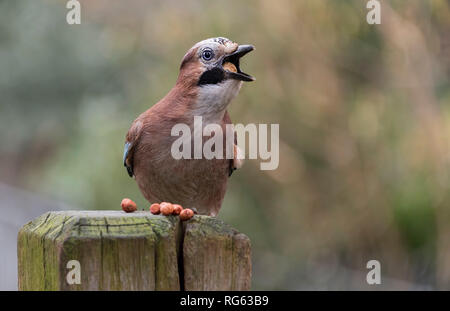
x=233, y=71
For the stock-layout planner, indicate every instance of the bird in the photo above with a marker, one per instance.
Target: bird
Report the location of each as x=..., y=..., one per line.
x=209, y=78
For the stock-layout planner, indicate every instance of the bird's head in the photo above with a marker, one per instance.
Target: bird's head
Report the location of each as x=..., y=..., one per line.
x=212, y=67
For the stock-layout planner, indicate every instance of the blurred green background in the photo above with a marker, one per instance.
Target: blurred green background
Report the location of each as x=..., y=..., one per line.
x=363, y=110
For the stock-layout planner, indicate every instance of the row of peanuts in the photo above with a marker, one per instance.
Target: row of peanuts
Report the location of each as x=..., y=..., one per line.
x=164, y=208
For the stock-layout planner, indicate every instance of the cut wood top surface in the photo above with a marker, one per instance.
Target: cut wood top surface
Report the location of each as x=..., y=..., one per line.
x=93, y=223
x=57, y=222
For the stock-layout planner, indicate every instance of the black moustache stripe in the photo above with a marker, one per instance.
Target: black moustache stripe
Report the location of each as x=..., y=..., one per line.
x=212, y=76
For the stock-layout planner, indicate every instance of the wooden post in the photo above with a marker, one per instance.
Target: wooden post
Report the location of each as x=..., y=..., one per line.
x=215, y=256
x=136, y=251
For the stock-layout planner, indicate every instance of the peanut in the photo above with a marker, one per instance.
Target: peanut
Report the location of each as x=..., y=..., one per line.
x=186, y=214
x=155, y=208
x=177, y=208
x=166, y=208
x=230, y=67
x=128, y=206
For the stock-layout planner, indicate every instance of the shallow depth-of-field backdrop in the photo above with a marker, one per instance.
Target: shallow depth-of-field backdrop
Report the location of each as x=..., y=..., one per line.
x=364, y=114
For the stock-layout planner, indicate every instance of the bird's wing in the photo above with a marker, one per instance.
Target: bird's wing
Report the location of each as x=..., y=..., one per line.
x=126, y=162
x=132, y=140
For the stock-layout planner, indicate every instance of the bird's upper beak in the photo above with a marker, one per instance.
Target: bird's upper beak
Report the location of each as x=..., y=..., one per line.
x=234, y=72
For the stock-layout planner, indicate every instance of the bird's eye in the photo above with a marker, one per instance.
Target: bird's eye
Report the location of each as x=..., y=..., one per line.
x=207, y=54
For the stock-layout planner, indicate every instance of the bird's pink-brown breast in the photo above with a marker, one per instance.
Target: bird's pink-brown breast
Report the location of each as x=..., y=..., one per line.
x=193, y=183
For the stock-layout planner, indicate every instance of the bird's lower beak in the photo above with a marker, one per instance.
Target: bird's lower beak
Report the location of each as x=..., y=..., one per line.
x=231, y=64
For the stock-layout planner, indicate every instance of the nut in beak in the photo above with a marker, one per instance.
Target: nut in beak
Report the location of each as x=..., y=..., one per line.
x=231, y=64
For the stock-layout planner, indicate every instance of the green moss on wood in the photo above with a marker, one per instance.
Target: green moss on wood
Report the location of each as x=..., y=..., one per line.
x=136, y=251
x=117, y=251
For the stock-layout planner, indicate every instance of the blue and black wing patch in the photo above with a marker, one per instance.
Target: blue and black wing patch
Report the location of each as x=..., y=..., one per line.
x=126, y=162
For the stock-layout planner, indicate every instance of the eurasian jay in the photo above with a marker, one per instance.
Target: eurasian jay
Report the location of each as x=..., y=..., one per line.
x=205, y=87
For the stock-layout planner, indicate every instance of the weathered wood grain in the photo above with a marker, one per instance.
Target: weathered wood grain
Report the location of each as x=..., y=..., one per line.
x=215, y=256
x=136, y=251
x=116, y=251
